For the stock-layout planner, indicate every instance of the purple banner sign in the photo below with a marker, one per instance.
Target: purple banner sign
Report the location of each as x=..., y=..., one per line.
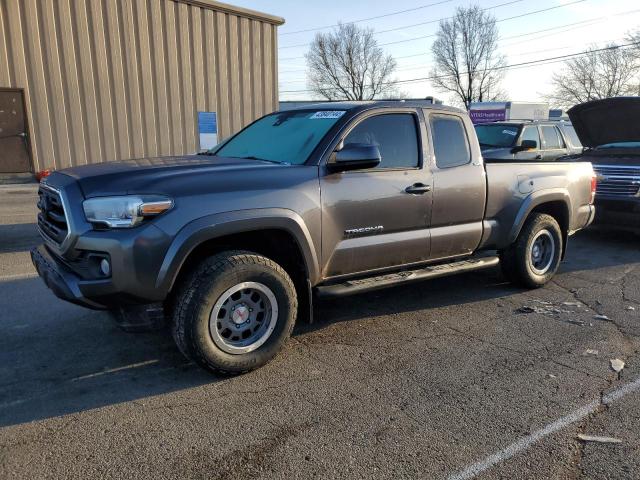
x=486, y=116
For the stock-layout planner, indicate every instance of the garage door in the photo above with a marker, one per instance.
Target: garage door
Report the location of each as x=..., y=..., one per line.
x=14, y=151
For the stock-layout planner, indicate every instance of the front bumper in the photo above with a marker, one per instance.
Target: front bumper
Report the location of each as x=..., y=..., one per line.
x=64, y=283
x=618, y=214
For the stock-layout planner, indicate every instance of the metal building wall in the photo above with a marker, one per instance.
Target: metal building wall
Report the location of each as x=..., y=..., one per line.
x=118, y=79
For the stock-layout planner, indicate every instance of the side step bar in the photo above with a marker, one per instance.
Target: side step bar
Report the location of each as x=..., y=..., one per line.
x=408, y=276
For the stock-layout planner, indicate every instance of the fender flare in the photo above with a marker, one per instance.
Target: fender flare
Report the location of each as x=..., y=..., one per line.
x=533, y=201
x=218, y=225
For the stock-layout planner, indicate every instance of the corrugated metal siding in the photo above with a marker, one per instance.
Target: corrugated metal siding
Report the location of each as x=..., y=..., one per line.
x=109, y=79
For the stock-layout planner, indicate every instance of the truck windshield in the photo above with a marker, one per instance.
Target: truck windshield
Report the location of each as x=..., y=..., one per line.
x=282, y=137
x=496, y=135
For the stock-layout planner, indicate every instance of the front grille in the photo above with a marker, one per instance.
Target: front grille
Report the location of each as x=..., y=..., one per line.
x=52, y=220
x=617, y=181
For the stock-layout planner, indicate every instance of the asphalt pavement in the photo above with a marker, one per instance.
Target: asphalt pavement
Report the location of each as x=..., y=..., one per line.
x=460, y=377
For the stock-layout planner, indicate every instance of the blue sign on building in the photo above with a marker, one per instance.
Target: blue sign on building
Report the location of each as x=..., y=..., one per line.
x=208, y=129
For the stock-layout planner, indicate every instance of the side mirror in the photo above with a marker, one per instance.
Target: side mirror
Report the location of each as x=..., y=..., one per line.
x=355, y=156
x=525, y=145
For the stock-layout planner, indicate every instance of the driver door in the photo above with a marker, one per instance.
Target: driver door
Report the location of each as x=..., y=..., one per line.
x=378, y=218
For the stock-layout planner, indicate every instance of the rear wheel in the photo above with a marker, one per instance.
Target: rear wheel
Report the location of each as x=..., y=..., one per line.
x=235, y=312
x=535, y=256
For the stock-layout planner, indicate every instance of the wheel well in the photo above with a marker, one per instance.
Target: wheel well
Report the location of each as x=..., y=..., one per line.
x=560, y=212
x=278, y=245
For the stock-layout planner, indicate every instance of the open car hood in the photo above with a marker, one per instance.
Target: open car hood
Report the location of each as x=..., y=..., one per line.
x=607, y=121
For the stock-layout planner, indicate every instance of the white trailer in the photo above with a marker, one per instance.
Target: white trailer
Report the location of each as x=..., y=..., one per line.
x=485, y=112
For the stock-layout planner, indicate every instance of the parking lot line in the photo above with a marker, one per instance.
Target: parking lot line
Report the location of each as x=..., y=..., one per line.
x=18, y=276
x=114, y=370
x=526, y=442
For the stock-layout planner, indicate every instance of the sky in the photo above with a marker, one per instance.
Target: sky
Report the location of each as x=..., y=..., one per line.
x=566, y=27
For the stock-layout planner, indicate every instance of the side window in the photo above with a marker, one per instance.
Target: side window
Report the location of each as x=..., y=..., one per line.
x=561, y=138
x=551, y=138
x=395, y=135
x=531, y=133
x=573, y=137
x=450, y=143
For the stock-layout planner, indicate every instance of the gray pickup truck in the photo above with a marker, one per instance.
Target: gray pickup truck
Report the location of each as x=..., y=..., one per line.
x=234, y=245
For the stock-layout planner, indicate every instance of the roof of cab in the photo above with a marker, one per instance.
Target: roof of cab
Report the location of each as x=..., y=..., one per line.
x=368, y=104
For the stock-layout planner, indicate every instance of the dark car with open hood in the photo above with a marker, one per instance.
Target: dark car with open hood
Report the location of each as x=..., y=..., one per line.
x=610, y=130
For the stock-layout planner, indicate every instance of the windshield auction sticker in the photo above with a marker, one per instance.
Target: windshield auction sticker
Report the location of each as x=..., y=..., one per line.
x=327, y=114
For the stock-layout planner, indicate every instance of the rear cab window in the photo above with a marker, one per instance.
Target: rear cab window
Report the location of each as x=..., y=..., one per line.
x=395, y=135
x=450, y=141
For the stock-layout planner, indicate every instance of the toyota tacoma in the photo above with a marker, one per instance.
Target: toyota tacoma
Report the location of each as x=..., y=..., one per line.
x=232, y=246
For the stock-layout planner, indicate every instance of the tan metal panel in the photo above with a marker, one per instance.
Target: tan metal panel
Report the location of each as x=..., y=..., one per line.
x=104, y=100
x=39, y=94
x=161, y=80
x=5, y=78
x=245, y=71
x=257, y=82
x=224, y=119
x=132, y=79
x=211, y=69
x=55, y=87
x=235, y=99
x=87, y=85
x=268, y=57
x=197, y=41
x=146, y=78
x=111, y=79
x=117, y=67
x=176, y=115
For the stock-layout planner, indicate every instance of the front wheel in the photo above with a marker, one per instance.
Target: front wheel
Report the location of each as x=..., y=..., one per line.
x=235, y=312
x=535, y=256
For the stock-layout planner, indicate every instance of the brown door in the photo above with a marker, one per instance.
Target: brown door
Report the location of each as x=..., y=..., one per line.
x=14, y=150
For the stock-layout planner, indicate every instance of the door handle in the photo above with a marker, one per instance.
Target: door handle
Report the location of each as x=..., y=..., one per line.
x=418, y=189
x=538, y=157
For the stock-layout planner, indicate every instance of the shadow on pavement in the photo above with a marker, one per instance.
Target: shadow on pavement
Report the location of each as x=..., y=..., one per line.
x=57, y=358
x=18, y=237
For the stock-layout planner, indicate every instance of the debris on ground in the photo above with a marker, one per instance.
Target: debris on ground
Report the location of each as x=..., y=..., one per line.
x=592, y=438
x=617, y=365
x=590, y=351
x=551, y=375
x=601, y=317
x=629, y=307
x=571, y=304
x=577, y=322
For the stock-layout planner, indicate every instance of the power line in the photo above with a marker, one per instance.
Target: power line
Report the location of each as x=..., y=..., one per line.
x=504, y=67
x=497, y=21
x=397, y=12
x=575, y=25
x=380, y=32
x=421, y=66
x=433, y=34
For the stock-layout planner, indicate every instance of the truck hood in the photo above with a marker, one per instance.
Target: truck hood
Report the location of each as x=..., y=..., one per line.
x=605, y=121
x=150, y=175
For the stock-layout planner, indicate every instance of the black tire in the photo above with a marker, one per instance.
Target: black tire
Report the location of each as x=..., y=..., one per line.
x=198, y=294
x=517, y=261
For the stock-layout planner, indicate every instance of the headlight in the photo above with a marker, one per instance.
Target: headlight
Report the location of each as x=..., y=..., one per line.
x=126, y=211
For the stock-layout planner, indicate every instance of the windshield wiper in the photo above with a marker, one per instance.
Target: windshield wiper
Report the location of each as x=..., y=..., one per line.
x=489, y=145
x=251, y=157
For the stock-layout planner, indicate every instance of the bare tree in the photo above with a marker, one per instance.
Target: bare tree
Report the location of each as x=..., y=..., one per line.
x=605, y=72
x=348, y=64
x=465, y=53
